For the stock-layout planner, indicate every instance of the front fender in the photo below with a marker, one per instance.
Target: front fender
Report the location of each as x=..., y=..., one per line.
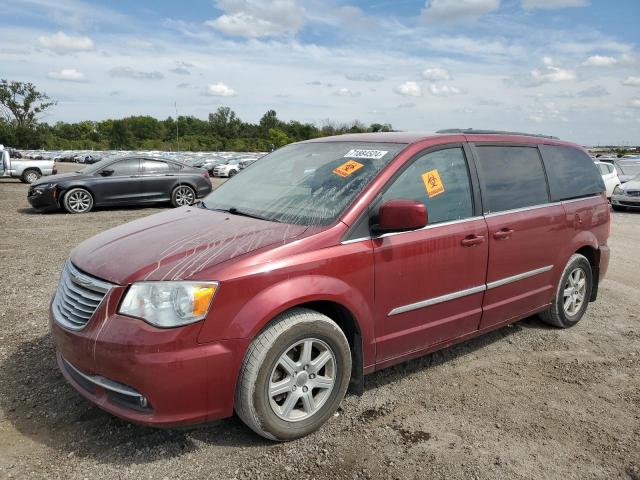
x=286, y=294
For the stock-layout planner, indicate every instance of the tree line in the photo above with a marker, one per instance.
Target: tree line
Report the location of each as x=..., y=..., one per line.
x=21, y=105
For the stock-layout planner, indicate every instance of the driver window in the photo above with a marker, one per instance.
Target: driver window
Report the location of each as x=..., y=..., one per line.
x=125, y=167
x=440, y=180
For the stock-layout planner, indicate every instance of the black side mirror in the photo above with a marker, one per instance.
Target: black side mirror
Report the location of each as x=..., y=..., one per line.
x=106, y=172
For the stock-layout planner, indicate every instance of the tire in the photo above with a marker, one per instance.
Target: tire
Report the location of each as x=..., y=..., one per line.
x=30, y=175
x=183, y=195
x=299, y=407
x=232, y=173
x=78, y=200
x=618, y=208
x=571, y=292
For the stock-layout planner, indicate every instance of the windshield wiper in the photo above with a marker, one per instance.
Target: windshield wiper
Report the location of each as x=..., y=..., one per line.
x=235, y=211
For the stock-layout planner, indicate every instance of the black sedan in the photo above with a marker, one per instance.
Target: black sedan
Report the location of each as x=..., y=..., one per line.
x=121, y=181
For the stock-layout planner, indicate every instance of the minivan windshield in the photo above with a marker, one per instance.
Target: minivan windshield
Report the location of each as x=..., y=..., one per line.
x=305, y=183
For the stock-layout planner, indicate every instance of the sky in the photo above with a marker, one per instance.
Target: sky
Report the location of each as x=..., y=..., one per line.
x=569, y=68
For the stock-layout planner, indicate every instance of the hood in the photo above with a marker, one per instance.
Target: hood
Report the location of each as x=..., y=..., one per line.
x=176, y=244
x=626, y=178
x=631, y=184
x=56, y=178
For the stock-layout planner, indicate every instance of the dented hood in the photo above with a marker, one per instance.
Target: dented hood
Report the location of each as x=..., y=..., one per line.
x=176, y=244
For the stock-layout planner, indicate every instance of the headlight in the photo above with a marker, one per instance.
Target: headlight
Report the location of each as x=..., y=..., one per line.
x=618, y=190
x=169, y=304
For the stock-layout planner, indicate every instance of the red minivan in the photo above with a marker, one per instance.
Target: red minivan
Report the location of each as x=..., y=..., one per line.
x=322, y=262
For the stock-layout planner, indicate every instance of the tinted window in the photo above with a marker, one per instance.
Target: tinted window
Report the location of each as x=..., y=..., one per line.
x=511, y=177
x=603, y=169
x=153, y=166
x=571, y=172
x=125, y=167
x=440, y=180
x=629, y=168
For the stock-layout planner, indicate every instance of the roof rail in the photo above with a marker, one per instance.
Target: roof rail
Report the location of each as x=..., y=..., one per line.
x=472, y=131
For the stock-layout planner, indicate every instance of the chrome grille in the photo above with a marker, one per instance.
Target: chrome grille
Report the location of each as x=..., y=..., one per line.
x=633, y=193
x=77, y=297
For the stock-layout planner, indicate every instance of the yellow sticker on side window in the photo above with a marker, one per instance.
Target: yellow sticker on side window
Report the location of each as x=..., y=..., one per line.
x=347, y=168
x=432, y=183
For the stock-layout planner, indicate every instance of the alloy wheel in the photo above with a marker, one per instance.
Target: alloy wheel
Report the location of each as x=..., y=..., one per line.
x=79, y=201
x=302, y=380
x=31, y=177
x=184, y=196
x=574, y=291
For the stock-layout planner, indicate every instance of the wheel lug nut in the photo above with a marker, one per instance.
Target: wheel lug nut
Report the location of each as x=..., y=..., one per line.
x=306, y=367
x=304, y=389
x=312, y=376
x=293, y=388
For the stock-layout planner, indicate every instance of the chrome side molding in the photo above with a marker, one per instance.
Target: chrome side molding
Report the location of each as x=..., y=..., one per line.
x=468, y=291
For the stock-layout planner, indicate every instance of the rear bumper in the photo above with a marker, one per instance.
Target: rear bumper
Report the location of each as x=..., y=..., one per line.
x=116, y=361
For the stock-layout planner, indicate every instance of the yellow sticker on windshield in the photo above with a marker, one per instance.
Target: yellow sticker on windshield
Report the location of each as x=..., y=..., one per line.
x=432, y=183
x=347, y=168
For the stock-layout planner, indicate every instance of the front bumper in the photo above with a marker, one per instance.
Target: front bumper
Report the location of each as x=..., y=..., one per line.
x=116, y=362
x=625, y=200
x=43, y=200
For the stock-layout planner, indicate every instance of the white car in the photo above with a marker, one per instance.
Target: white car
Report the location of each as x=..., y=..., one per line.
x=228, y=169
x=609, y=175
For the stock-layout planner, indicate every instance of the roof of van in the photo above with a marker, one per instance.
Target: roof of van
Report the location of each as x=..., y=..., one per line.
x=413, y=137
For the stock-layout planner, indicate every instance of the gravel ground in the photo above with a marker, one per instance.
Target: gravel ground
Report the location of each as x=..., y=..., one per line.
x=526, y=401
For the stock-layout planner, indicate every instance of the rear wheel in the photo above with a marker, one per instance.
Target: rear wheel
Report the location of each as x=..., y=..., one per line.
x=30, y=176
x=183, y=195
x=232, y=173
x=572, y=296
x=294, y=376
x=78, y=200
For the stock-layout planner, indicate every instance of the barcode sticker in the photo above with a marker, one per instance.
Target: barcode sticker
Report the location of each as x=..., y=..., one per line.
x=360, y=153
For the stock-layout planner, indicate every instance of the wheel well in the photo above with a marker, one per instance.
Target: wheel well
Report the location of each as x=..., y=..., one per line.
x=593, y=255
x=32, y=168
x=64, y=192
x=184, y=184
x=349, y=325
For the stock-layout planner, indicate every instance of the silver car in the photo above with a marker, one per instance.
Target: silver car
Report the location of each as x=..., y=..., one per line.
x=627, y=195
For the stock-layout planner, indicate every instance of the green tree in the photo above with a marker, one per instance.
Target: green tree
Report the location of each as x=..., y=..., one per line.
x=278, y=138
x=21, y=103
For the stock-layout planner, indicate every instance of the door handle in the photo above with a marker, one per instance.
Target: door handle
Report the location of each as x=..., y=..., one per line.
x=471, y=240
x=503, y=234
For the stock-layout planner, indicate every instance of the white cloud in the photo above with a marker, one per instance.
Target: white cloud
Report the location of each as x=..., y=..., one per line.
x=219, y=90
x=409, y=89
x=551, y=74
x=128, y=72
x=67, y=74
x=593, y=92
x=600, y=61
x=444, y=90
x=453, y=11
x=631, y=82
x=62, y=43
x=346, y=92
x=635, y=103
x=476, y=47
x=364, y=77
x=436, y=74
x=547, y=61
x=258, y=18
x=553, y=4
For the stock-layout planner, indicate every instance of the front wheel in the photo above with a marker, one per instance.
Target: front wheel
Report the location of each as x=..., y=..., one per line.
x=78, y=200
x=232, y=173
x=294, y=375
x=572, y=295
x=183, y=195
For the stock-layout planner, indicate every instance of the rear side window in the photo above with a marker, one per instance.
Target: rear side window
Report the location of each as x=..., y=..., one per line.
x=603, y=169
x=571, y=172
x=440, y=180
x=153, y=166
x=511, y=177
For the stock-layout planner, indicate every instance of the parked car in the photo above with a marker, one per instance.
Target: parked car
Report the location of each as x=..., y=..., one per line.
x=28, y=171
x=121, y=181
x=627, y=169
x=244, y=163
x=609, y=176
x=228, y=169
x=627, y=195
x=327, y=260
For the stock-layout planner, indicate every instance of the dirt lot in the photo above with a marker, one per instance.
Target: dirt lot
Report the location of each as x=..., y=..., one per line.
x=526, y=401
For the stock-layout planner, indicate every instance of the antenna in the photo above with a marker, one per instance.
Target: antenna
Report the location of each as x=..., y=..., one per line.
x=175, y=105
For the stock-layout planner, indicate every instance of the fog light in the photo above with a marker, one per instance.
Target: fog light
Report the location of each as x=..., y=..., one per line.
x=143, y=402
